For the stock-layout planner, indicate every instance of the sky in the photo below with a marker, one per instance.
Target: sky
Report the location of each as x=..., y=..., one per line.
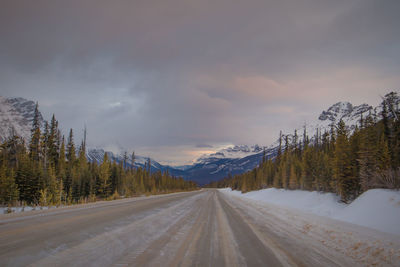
x=173, y=79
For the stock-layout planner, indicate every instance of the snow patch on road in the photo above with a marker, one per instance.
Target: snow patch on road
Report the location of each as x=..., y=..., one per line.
x=377, y=208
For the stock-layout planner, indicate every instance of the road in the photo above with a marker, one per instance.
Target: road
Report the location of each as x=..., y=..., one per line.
x=202, y=228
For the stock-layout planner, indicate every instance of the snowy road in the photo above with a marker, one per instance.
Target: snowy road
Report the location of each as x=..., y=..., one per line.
x=204, y=228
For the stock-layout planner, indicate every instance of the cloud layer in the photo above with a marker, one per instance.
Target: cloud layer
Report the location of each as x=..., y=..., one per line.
x=172, y=78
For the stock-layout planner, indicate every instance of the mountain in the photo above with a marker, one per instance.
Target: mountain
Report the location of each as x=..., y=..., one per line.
x=16, y=116
x=214, y=168
x=233, y=152
x=351, y=115
x=205, y=170
x=218, y=165
x=97, y=155
x=345, y=111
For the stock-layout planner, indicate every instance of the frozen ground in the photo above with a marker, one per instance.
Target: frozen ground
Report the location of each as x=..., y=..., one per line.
x=4, y=210
x=318, y=240
x=202, y=228
x=376, y=208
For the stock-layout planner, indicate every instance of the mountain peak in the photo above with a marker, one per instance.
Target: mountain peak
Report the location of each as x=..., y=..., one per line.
x=343, y=110
x=16, y=116
x=232, y=152
x=336, y=111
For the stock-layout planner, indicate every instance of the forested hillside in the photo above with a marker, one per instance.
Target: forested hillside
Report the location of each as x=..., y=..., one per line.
x=339, y=161
x=51, y=170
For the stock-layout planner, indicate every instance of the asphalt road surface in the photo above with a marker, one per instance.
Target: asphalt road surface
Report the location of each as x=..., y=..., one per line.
x=202, y=228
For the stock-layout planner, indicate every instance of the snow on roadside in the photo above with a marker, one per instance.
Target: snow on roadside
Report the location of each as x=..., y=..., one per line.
x=377, y=208
x=4, y=210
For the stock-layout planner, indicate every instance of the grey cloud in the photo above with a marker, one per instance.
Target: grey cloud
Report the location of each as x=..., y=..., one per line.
x=181, y=73
x=204, y=146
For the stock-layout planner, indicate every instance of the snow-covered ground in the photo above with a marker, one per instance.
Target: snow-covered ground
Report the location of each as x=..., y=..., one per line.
x=377, y=208
x=204, y=228
x=5, y=210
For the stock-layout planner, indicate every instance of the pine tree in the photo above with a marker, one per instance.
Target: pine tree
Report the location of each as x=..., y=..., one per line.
x=307, y=168
x=34, y=146
x=61, y=170
x=149, y=166
x=104, y=177
x=71, y=152
x=52, y=141
x=278, y=157
x=44, y=144
x=295, y=146
x=8, y=188
x=367, y=154
x=343, y=170
x=71, y=172
x=383, y=155
x=293, y=180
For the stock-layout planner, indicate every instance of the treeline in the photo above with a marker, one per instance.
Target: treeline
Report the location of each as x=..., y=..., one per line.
x=337, y=161
x=52, y=171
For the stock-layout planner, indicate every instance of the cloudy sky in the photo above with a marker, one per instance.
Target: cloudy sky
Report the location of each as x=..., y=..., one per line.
x=173, y=79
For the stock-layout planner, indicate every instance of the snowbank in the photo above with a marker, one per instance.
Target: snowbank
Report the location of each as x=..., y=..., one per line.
x=376, y=208
x=3, y=210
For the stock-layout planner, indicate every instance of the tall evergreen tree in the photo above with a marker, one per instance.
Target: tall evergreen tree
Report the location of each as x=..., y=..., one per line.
x=34, y=146
x=71, y=152
x=9, y=193
x=104, y=177
x=345, y=182
x=52, y=141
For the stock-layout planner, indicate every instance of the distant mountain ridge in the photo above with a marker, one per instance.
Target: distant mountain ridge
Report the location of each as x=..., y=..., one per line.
x=232, y=152
x=217, y=166
x=16, y=114
x=97, y=155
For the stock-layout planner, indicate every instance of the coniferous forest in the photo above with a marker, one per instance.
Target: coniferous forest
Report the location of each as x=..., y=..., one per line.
x=346, y=163
x=52, y=171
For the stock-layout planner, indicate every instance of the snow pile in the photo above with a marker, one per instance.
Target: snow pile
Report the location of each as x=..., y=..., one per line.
x=376, y=208
x=4, y=210
x=324, y=204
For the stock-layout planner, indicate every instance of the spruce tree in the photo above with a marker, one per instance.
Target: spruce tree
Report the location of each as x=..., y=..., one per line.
x=34, y=146
x=368, y=154
x=44, y=144
x=71, y=152
x=345, y=182
x=53, y=147
x=9, y=193
x=383, y=155
x=70, y=171
x=104, y=176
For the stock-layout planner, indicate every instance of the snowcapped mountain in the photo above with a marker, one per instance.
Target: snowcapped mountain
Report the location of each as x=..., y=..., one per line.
x=218, y=165
x=233, y=152
x=345, y=111
x=213, y=169
x=16, y=116
x=351, y=116
x=97, y=155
